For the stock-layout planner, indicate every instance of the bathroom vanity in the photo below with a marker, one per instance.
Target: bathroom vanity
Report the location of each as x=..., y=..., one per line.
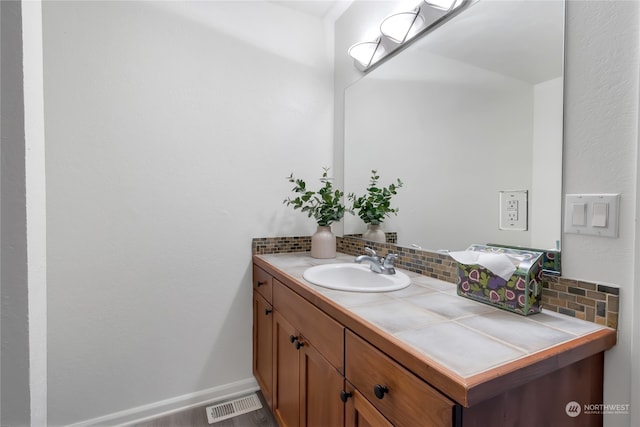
x=419, y=356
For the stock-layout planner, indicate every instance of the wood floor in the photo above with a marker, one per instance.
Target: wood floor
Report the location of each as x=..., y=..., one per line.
x=197, y=417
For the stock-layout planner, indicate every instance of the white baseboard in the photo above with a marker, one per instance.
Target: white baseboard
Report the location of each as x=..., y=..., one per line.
x=175, y=404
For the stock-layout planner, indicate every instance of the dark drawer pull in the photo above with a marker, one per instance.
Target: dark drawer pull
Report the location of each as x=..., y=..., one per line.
x=267, y=311
x=380, y=390
x=299, y=344
x=260, y=283
x=345, y=395
x=293, y=338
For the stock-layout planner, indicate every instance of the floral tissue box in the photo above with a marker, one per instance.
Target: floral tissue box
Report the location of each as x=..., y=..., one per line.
x=521, y=293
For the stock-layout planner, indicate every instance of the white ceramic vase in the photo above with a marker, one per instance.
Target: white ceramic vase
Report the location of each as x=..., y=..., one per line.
x=323, y=243
x=375, y=233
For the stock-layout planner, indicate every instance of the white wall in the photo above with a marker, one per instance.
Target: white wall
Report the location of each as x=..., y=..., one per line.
x=600, y=155
x=170, y=129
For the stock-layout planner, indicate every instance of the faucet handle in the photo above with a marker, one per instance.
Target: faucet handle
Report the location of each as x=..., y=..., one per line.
x=370, y=251
x=389, y=260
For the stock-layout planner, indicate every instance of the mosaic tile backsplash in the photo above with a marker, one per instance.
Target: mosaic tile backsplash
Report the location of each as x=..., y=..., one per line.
x=589, y=301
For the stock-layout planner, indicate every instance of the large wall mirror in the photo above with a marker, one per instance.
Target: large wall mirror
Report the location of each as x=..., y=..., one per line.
x=470, y=109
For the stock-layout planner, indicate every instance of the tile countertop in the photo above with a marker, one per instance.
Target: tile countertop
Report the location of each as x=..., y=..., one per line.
x=466, y=337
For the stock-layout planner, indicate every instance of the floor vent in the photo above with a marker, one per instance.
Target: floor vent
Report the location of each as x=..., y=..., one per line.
x=230, y=409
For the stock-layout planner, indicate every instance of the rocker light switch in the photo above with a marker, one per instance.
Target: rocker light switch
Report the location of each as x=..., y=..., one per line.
x=592, y=214
x=578, y=214
x=599, y=216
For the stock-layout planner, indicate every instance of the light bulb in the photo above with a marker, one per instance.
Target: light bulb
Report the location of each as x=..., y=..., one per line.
x=402, y=26
x=366, y=53
x=444, y=4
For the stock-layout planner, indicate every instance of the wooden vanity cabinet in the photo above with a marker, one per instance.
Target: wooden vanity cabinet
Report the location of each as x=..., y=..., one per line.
x=305, y=383
x=263, y=332
x=314, y=371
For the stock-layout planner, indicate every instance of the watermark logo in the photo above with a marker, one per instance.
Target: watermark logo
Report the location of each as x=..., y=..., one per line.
x=573, y=409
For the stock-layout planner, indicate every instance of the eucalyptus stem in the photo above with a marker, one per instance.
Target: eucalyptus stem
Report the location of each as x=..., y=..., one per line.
x=374, y=206
x=324, y=205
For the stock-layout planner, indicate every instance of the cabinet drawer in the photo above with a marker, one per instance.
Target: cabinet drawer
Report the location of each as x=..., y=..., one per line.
x=263, y=283
x=402, y=398
x=322, y=331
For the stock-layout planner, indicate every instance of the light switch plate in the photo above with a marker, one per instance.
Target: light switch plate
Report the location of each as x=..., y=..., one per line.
x=602, y=212
x=513, y=210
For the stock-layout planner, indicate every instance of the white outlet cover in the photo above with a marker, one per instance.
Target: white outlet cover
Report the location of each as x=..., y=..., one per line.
x=513, y=210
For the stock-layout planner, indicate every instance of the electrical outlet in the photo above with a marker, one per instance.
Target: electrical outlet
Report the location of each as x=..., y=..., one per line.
x=513, y=210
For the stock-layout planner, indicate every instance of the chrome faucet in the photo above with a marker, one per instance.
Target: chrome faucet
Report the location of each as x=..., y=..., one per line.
x=377, y=264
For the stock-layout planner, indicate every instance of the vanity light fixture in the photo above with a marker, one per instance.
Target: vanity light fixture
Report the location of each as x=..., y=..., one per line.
x=444, y=4
x=367, y=53
x=402, y=26
x=397, y=31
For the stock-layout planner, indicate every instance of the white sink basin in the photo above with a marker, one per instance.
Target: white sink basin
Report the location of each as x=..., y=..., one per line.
x=355, y=278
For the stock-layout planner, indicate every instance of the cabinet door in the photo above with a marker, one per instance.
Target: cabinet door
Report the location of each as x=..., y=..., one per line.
x=263, y=345
x=325, y=333
x=320, y=387
x=360, y=413
x=286, y=373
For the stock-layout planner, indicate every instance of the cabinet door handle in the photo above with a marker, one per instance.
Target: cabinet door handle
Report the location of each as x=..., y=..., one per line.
x=380, y=390
x=299, y=344
x=267, y=311
x=260, y=283
x=293, y=338
x=345, y=395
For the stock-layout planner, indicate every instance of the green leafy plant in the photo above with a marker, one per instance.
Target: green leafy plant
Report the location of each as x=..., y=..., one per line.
x=375, y=205
x=324, y=205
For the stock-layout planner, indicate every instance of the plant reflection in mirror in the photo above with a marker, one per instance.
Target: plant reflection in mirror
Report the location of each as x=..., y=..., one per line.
x=375, y=205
